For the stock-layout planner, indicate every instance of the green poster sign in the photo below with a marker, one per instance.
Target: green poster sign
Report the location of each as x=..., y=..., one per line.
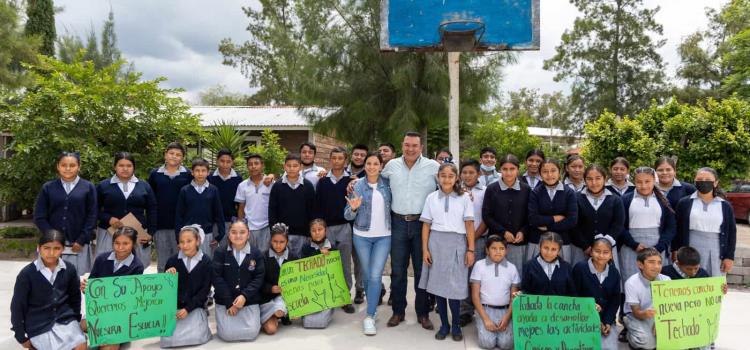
x=313, y=284
x=687, y=312
x=543, y=322
x=124, y=308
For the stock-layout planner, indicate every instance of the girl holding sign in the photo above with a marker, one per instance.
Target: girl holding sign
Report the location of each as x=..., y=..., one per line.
x=193, y=269
x=273, y=307
x=237, y=279
x=319, y=244
x=598, y=278
x=68, y=205
x=447, y=248
x=46, y=304
x=547, y=273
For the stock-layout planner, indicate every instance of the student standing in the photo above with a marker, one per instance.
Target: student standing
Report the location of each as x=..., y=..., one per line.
x=68, y=204
x=489, y=174
x=669, y=185
x=253, y=196
x=292, y=202
x=547, y=273
x=706, y=223
x=533, y=162
x=574, y=166
x=447, y=236
x=272, y=307
x=200, y=203
x=166, y=182
x=639, y=307
x=122, y=194
x=46, y=306
x=226, y=181
x=356, y=168
x=387, y=152
x=310, y=171
x=619, y=181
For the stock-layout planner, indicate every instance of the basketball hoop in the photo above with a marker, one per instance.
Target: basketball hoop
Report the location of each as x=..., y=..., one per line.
x=460, y=35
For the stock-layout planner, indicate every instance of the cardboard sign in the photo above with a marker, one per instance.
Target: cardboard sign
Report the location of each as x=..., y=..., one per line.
x=313, y=284
x=555, y=323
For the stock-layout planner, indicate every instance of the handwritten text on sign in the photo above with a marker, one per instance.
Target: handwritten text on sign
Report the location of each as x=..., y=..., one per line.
x=125, y=308
x=313, y=284
x=555, y=323
x=687, y=312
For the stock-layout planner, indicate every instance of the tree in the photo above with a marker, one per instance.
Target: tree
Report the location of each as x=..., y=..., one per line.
x=611, y=57
x=326, y=53
x=219, y=96
x=272, y=152
x=75, y=107
x=15, y=48
x=41, y=22
x=507, y=137
x=103, y=53
x=109, y=52
x=548, y=110
x=715, y=134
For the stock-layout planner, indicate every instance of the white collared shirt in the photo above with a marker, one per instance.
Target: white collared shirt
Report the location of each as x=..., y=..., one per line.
x=578, y=188
x=619, y=190
x=549, y=268
x=199, y=187
x=190, y=262
x=638, y=292
x=69, y=186
x=447, y=212
x=495, y=281
x=232, y=174
x=126, y=187
x=293, y=185
x=163, y=169
x=532, y=181
x=552, y=191
x=411, y=186
x=256, y=200
x=644, y=212
x=325, y=245
x=311, y=174
x=706, y=217
x=477, y=200
x=488, y=179
x=601, y=276
x=239, y=255
x=596, y=202
x=279, y=258
x=334, y=179
x=120, y=263
x=49, y=275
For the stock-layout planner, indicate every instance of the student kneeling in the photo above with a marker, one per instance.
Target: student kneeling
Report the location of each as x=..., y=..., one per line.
x=319, y=244
x=639, y=308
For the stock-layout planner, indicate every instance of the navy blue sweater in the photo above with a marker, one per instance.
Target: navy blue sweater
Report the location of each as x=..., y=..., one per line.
x=679, y=192
x=295, y=207
x=612, y=189
x=227, y=192
x=204, y=209
x=606, y=294
x=506, y=210
x=193, y=286
x=727, y=234
x=542, y=210
x=534, y=280
x=273, y=270
x=231, y=279
x=72, y=214
x=105, y=268
x=667, y=225
x=672, y=273
x=141, y=202
x=609, y=219
x=166, y=190
x=37, y=305
x=330, y=200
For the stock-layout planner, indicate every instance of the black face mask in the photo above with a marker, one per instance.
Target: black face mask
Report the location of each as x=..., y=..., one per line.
x=704, y=186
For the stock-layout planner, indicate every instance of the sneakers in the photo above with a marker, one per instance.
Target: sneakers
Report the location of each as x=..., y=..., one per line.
x=368, y=326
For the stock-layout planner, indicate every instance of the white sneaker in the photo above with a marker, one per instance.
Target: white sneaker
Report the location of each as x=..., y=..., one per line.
x=369, y=326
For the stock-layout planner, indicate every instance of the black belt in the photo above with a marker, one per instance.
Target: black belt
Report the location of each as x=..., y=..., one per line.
x=496, y=307
x=407, y=218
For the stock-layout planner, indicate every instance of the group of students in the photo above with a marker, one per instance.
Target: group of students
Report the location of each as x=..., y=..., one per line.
x=486, y=235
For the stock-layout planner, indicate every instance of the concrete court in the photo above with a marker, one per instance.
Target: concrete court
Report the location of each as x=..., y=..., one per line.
x=345, y=330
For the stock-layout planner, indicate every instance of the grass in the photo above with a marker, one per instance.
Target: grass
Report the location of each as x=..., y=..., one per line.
x=19, y=232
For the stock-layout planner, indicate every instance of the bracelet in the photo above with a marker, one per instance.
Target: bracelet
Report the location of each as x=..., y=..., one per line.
x=470, y=250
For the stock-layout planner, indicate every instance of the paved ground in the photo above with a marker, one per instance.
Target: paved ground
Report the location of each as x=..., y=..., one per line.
x=345, y=331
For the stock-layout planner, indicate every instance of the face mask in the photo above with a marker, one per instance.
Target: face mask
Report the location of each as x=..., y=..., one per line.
x=487, y=168
x=704, y=186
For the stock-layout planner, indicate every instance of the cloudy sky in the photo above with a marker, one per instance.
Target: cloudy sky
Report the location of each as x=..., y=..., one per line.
x=178, y=39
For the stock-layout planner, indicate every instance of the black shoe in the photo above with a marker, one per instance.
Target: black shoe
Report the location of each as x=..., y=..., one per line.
x=623, y=337
x=457, y=337
x=440, y=336
x=382, y=294
x=286, y=321
x=210, y=301
x=359, y=297
x=390, y=299
x=349, y=308
x=465, y=320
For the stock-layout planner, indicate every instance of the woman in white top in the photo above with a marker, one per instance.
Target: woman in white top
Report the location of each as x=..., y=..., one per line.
x=370, y=208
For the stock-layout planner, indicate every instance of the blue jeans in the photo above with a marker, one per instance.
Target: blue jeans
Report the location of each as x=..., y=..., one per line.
x=406, y=243
x=372, y=253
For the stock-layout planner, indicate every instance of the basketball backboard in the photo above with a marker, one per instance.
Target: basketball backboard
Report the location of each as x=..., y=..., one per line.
x=421, y=25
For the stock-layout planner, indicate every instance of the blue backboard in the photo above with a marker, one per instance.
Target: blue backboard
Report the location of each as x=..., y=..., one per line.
x=416, y=24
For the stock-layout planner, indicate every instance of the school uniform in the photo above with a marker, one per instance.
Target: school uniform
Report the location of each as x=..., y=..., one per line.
x=256, y=199
x=320, y=319
x=674, y=272
x=488, y=179
x=107, y=265
x=638, y=292
x=166, y=188
x=532, y=181
x=604, y=287
x=311, y=174
x=46, y=306
x=544, y=203
x=543, y=278
x=201, y=204
x=293, y=203
x=446, y=214
x=69, y=207
x=709, y=228
x=477, y=200
x=117, y=199
x=678, y=190
x=506, y=209
x=578, y=188
x=603, y=215
x=617, y=190
x=495, y=283
x=227, y=187
x=330, y=203
x=647, y=221
x=273, y=302
x=193, y=285
x=238, y=272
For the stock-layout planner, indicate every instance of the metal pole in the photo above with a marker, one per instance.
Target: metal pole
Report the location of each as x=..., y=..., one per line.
x=453, y=128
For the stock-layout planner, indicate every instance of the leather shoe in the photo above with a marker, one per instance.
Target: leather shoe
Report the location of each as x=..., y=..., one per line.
x=395, y=320
x=359, y=297
x=440, y=336
x=458, y=337
x=349, y=308
x=426, y=323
